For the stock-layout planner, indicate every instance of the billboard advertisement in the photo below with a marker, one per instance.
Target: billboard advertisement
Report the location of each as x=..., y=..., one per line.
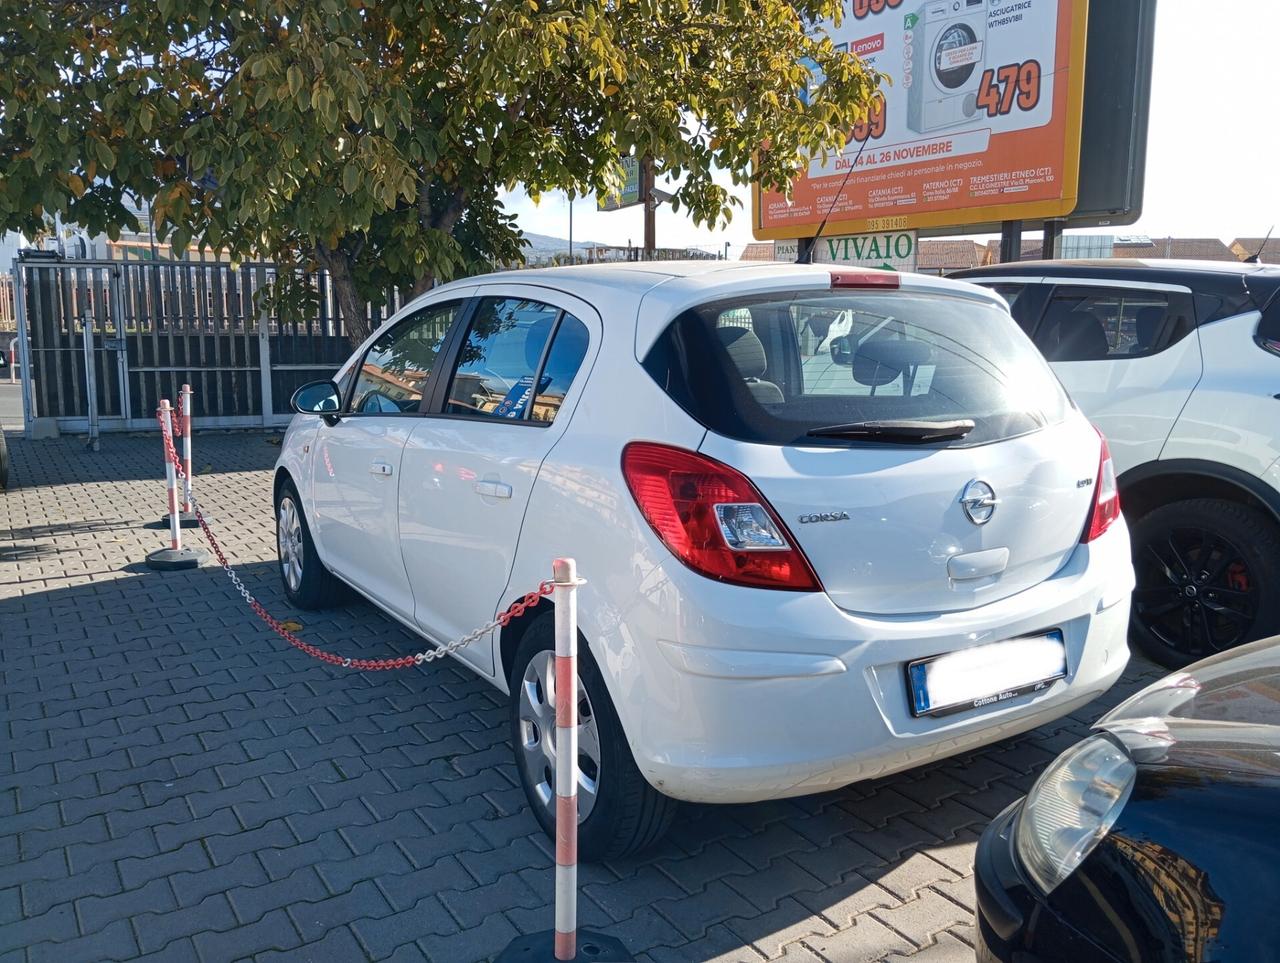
x=630, y=193
x=979, y=121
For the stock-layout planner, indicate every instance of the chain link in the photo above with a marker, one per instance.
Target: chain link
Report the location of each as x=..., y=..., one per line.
x=175, y=419
x=514, y=611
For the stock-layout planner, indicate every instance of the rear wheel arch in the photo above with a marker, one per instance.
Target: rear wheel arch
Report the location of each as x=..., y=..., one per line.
x=1156, y=484
x=513, y=633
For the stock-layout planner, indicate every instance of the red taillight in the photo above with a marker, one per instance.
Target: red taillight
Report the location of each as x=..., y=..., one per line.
x=1106, y=496
x=865, y=279
x=696, y=505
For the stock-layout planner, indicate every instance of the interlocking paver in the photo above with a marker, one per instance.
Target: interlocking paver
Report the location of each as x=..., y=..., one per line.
x=200, y=788
x=474, y=945
x=383, y=936
x=156, y=931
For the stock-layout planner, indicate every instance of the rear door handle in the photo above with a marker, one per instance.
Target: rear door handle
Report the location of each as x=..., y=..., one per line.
x=493, y=489
x=380, y=468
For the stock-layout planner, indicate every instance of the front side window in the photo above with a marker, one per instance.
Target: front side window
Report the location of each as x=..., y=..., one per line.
x=397, y=368
x=807, y=361
x=504, y=368
x=1092, y=324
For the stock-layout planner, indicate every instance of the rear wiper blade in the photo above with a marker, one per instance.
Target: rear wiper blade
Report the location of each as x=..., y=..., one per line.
x=907, y=431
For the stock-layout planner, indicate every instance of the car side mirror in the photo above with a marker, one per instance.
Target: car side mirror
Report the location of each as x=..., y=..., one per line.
x=841, y=351
x=318, y=398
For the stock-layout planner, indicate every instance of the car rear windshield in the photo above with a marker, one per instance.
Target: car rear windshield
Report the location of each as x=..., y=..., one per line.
x=774, y=368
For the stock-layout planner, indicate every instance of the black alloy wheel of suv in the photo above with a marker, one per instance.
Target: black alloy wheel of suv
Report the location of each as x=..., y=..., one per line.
x=1208, y=574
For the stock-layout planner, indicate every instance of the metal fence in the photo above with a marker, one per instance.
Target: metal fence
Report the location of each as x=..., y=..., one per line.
x=101, y=341
x=8, y=320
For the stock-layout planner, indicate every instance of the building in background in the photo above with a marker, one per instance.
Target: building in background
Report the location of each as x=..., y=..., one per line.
x=1246, y=247
x=1095, y=246
x=938, y=256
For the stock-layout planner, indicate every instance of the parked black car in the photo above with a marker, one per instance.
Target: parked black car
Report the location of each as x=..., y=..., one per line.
x=1155, y=839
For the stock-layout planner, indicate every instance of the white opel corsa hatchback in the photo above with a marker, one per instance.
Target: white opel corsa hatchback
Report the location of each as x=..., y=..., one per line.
x=834, y=524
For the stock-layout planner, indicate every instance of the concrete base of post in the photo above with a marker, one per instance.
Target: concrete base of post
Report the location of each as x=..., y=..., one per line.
x=185, y=519
x=176, y=559
x=540, y=948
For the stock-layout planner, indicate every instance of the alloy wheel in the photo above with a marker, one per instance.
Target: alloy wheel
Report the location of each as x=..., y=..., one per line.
x=537, y=755
x=1195, y=592
x=289, y=543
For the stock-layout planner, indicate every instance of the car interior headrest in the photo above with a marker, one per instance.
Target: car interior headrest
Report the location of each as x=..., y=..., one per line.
x=879, y=361
x=745, y=349
x=1148, y=323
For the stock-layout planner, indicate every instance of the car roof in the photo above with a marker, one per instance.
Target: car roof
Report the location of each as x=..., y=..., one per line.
x=1122, y=269
x=669, y=287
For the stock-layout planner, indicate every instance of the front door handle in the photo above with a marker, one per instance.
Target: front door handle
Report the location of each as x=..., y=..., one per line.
x=493, y=489
x=380, y=468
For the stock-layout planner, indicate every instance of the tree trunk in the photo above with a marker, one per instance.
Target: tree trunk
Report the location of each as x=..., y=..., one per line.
x=355, y=318
x=444, y=219
x=424, y=282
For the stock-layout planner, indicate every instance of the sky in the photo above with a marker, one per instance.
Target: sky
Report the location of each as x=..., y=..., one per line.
x=1212, y=153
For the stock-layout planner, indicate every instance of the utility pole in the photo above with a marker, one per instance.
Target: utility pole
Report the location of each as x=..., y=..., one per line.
x=1011, y=242
x=650, y=219
x=570, y=227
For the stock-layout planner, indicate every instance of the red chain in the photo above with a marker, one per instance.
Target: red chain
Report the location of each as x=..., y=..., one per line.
x=513, y=611
x=176, y=418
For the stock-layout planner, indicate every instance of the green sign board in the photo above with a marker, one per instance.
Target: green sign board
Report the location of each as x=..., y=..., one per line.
x=631, y=188
x=891, y=250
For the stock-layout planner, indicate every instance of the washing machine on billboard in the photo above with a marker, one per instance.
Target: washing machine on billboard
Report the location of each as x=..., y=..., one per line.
x=950, y=41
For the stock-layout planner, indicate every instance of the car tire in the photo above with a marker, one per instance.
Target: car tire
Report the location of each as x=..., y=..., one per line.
x=4, y=463
x=307, y=583
x=624, y=814
x=1208, y=580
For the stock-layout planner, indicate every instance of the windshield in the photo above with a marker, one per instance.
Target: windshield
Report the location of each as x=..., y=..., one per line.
x=776, y=368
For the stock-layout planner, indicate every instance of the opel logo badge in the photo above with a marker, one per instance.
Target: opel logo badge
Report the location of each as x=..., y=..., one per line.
x=979, y=501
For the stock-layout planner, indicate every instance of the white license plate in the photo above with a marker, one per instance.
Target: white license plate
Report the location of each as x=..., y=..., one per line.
x=985, y=674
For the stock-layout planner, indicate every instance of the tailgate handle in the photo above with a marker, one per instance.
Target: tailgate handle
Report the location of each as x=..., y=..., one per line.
x=962, y=568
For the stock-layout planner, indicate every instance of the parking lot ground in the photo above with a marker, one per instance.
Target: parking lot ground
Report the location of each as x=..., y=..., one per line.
x=176, y=783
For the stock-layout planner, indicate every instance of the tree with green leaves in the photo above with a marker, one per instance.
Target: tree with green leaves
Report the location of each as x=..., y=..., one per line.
x=373, y=138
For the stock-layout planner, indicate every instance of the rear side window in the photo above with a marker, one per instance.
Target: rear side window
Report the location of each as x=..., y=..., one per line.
x=772, y=369
x=1018, y=304
x=1269, y=327
x=1092, y=324
x=510, y=367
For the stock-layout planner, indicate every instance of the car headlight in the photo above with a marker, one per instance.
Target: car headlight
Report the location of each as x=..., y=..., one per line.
x=1071, y=808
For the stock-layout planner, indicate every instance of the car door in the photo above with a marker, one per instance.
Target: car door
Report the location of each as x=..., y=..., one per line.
x=469, y=466
x=1128, y=354
x=356, y=467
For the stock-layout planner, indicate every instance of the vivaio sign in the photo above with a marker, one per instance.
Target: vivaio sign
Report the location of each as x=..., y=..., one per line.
x=979, y=122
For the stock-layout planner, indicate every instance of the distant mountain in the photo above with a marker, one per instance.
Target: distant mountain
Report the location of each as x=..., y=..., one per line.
x=544, y=246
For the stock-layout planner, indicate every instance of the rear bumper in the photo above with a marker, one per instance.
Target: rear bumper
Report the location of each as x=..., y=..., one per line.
x=765, y=695
x=1015, y=925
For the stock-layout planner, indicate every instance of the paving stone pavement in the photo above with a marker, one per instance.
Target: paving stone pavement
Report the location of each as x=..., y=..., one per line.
x=176, y=783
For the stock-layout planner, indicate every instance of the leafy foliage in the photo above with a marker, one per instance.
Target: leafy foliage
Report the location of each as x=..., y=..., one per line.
x=373, y=137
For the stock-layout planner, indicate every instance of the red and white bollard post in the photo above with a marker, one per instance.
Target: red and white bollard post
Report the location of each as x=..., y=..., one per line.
x=13, y=361
x=566, y=599
x=566, y=942
x=182, y=429
x=187, y=508
x=175, y=556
